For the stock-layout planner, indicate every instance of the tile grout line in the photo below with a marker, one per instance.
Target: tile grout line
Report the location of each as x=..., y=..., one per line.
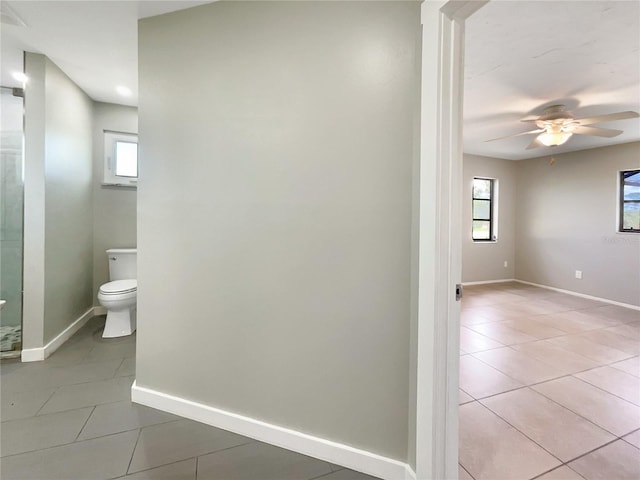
x=565, y=333
x=68, y=444
x=462, y=467
x=602, y=389
x=549, y=398
x=496, y=394
x=126, y=472
x=319, y=477
x=590, y=452
x=159, y=466
x=72, y=384
x=574, y=353
x=77, y=408
x=515, y=379
x=542, y=381
x=196, y=457
x=564, y=307
x=576, y=413
x=624, y=439
x=128, y=429
x=47, y=401
x=85, y=423
x=522, y=433
x=554, y=469
x=615, y=439
x=119, y=367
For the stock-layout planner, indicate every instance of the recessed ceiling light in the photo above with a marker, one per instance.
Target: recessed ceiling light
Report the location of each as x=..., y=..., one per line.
x=21, y=77
x=124, y=91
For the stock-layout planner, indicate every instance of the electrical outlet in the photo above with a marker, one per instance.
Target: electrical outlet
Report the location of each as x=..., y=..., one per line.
x=506, y=264
x=579, y=274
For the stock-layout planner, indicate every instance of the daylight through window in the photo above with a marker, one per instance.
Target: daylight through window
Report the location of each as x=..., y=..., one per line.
x=483, y=210
x=126, y=161
x=630, y=201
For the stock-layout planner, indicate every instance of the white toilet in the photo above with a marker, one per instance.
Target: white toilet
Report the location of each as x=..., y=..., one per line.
x=120, y=294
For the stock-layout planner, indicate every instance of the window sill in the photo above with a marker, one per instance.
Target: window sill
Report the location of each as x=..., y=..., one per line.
x=119, y=185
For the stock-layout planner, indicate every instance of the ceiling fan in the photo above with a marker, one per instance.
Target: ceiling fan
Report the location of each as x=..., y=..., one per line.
x=556, y=125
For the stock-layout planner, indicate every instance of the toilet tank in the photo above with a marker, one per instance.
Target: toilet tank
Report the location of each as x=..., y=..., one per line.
x=122, y=263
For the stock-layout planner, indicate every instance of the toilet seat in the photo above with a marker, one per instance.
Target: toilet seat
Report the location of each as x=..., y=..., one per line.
x=119, y=287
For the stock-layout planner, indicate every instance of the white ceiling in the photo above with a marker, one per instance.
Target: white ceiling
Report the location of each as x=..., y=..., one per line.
x=524, y=55
x=94, y=42
x=520, y=57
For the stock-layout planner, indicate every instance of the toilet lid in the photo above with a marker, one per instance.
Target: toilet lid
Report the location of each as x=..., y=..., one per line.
x=119, y=286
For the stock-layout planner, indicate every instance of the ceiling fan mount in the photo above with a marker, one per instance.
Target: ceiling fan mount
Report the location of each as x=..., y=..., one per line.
x=554, y=112
x=556, y=125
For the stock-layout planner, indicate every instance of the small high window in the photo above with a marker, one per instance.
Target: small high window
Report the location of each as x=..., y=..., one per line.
x=120, y=158
x=629, y=201
x=483, y=210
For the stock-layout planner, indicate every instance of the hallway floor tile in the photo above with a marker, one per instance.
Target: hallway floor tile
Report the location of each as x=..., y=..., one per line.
x=70, y=417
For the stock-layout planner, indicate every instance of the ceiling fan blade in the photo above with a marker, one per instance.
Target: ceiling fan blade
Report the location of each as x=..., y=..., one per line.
x=539, y=130
x=606, y=118
x=598, y=132
x=535, y=144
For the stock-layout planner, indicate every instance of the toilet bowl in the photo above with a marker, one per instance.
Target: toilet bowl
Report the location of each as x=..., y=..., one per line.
x=119, y=296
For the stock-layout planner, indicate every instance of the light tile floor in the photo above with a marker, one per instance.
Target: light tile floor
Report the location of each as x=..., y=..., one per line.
x=71, y=418
x=549, y=386
x=549, y=389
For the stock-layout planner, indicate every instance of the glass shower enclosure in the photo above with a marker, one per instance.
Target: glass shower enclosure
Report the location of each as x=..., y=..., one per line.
x=11, y=220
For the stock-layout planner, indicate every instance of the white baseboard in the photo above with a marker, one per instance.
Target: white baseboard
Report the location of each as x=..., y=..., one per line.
x=99, y=310
x=39, y=354
x=576, y=294
x=485, y=282
x=323, y=449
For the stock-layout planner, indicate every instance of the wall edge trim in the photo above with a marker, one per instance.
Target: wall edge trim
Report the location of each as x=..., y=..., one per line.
x=317, y=447
x=583, y=295
x=39, y=354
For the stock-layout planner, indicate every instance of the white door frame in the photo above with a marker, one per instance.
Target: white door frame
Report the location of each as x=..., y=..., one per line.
x=439, y=268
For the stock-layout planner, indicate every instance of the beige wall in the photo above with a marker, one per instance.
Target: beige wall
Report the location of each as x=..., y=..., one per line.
x=114, y=208
x=484, y=261
x=567, y=222
x=274, y=213
x=58, y=227
x=556, y=219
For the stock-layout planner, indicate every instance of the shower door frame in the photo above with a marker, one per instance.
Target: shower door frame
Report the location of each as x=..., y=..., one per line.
x=19, y=92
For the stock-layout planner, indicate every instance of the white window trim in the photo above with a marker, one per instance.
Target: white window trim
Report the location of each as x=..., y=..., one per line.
x=110, y=178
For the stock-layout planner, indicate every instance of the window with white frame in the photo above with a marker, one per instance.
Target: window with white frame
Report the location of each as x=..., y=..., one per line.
x=120, y=158
x=483, y=210
x=629, y=207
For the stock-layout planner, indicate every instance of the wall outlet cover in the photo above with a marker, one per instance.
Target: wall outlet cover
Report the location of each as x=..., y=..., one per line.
x=579, y=274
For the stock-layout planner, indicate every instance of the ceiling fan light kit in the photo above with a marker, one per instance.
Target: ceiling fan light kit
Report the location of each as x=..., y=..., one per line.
x=556, y=126
x=553, y=139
